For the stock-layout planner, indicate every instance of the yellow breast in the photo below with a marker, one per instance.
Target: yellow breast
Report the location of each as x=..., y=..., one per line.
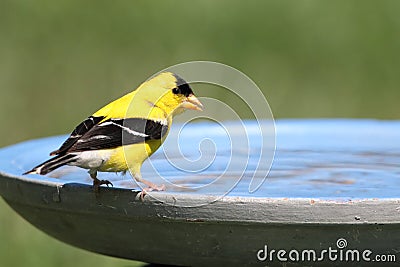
x=130, y=157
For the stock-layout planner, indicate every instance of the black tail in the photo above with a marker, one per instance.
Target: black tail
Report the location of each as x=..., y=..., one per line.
x=52, y=164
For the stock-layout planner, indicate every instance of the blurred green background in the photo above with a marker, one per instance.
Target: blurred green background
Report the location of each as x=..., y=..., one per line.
x=62, y=60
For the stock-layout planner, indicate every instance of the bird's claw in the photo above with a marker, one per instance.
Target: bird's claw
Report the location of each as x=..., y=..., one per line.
x=106, y=182
x=97, y=183
x=150, y=189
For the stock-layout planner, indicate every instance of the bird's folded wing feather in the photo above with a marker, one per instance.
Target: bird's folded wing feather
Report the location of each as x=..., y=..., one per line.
x=113, y=133
x=79, y=131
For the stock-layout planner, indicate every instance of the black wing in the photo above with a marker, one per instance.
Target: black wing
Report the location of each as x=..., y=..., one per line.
x=113, y=133
x=79, y=131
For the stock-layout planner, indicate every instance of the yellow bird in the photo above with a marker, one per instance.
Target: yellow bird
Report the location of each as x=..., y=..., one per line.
x=123, y=134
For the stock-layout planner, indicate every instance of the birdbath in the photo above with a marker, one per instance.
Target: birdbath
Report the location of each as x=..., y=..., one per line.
x=333, y=187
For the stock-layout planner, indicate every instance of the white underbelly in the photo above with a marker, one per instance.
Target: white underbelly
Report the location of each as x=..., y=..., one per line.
x=91, y=159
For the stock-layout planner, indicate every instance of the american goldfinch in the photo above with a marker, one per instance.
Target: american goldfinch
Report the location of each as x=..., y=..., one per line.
x=123, y=134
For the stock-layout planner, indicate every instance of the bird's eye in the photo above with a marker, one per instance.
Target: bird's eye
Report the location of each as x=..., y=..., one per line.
x=175, y=90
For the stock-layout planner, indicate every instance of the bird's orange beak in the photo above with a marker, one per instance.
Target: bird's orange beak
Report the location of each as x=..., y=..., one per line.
x=191, y=102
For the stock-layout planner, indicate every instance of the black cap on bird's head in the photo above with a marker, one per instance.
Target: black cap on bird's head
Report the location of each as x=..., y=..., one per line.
x=183, y=88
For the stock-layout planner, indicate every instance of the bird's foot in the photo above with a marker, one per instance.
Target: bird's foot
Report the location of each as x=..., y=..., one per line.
x=97, y=183
x=152, y=187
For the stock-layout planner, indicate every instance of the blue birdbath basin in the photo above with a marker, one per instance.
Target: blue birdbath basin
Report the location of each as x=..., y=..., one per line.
x=333, y=185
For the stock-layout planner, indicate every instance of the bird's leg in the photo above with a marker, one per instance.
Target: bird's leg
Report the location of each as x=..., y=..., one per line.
x=150, y=186
x=97, y=182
